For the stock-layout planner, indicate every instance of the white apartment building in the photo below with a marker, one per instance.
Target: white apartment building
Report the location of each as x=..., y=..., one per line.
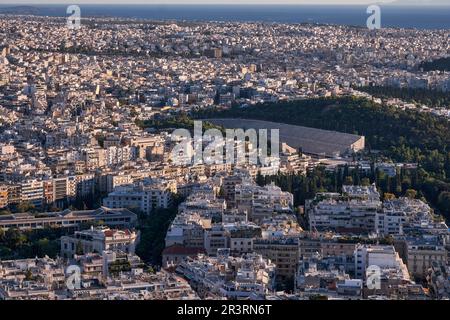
x=383, y=257
x=230, y=277
x=241, y=236
x=216, y=238
x=262, y=202
x=204, y=203
x=114, y=181
x=145, y=196
x=188, y=230
x=399, y=213
x=32, y=191
x=422, y=252
x=117, y=155
x=98, y=240
x=353, y=211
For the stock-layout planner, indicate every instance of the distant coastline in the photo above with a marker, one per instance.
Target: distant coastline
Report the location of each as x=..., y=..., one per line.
x=420, y=17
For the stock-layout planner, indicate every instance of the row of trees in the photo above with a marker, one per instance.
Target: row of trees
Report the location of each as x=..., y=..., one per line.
x=441, y=64
x=178, y=121
x=303, y=187
x=153, y=230
x=17, y=244
x=23, y=244
x=431, y=98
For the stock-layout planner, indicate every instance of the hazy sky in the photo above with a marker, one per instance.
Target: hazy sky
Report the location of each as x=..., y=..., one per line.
x=222, y=1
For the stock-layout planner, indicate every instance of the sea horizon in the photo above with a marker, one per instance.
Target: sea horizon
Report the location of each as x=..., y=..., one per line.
x=393, y=16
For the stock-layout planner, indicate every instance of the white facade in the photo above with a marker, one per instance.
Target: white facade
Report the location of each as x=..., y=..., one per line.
x=143, y=197
x=98, y=240
x=383, y=257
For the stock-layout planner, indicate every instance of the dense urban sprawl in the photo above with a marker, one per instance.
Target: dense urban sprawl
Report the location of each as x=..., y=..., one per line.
x=77, y=160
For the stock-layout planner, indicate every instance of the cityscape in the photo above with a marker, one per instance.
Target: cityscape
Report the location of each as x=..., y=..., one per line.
x=196, y=159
